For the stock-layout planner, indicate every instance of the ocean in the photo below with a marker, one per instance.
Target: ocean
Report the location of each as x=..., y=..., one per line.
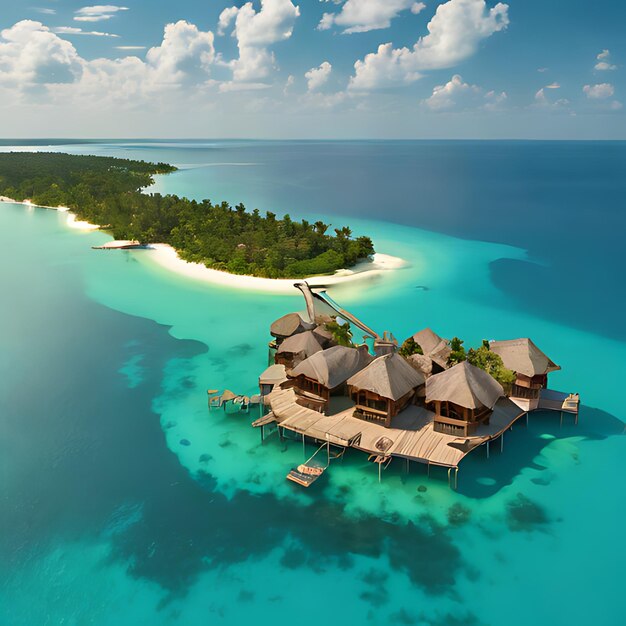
x=125, y=501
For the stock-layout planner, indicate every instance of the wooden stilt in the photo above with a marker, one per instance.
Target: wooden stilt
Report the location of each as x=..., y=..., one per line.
x=407, y=466
x=379, y=472
x=526, y=420
x=262, y=434
x=456, y=478
x=561, y=422
x=487, y=449
x=428, y=469
x=501, y=442
x=303, y=446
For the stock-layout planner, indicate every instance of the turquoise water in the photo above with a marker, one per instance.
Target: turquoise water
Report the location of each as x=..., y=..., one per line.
x=124, y=501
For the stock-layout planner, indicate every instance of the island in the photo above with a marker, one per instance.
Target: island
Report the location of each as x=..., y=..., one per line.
x=428, y=400
x=110, y=192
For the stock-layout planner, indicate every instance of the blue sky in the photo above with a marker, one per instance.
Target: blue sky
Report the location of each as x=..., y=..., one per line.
x=313, y=69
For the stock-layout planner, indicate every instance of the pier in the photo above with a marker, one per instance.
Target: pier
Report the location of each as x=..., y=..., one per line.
x=422, y=408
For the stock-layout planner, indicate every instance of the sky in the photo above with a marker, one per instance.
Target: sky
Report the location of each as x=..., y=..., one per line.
x=319, y=69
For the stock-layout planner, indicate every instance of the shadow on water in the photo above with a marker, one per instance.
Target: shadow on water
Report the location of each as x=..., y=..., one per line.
x=87, y=460
x=482, y=477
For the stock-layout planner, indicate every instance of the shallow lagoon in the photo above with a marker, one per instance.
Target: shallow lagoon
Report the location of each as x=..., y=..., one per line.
x=105, y=366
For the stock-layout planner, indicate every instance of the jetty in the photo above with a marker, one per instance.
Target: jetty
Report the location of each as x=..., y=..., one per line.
x=121, y=244
x=422, y=407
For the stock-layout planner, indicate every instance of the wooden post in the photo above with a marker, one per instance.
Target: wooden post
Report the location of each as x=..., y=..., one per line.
x=328, y=451
x=561, y=422
x=303, y=447
x=526, y=420
x=502, y=442
x=262, y=433
x=487, y=448
x=428, y=469
x=379, y=473
x=456, y=478
x=407, y=466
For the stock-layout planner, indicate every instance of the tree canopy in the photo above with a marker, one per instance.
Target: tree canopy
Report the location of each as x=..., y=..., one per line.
x=108, y=191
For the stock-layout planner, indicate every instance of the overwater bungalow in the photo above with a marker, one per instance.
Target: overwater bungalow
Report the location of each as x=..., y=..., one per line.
x=325, y=373
x=395, y=408
x=288, y=325
x=384, y=388
x=293, y=350
x=462, y=399
x=271, y=377
x=530, y=364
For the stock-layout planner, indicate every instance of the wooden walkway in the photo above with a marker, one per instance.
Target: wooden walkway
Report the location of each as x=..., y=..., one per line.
x=411, y=436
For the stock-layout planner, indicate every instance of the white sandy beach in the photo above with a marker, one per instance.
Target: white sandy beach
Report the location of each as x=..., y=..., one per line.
x=72, y=220
x=165, y=256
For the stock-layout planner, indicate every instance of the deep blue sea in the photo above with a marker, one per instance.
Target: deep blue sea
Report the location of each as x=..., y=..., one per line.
x=123, y=501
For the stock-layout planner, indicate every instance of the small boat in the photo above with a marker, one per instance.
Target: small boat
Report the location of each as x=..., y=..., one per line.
x=311, y=470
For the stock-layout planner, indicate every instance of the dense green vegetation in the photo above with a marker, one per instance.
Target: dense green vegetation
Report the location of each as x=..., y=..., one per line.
x=484, y=358
x=342, y=333
x=107, y=191
x=481, y=357
x=409, y=347
x=492, y=363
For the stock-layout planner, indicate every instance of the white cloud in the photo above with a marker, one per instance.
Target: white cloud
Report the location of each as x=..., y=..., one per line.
x=291, y=79
x=457, y=95
x=553, y=86
x=44, y=11
x=225, y=19
x=604, y=64
x=234, y=86
x=454, y=34
x=72, y=30
x=31, y=56
x=601, y=91
x=186, y=53
x=255, y=31
x=98, y=13
x=542, y=101
x=130, y=47
x=318, y=76
x=359, y=16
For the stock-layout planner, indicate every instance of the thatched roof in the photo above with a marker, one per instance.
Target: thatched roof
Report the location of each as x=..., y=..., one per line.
x=523, y=357
x=323, y=335
x=333, y=366
x=433, y=345
x=289, y=325
x=302, y=343
x=273, y=375
x=228, y=395
x=422, y=363
x=465, y=385
x=388, y=376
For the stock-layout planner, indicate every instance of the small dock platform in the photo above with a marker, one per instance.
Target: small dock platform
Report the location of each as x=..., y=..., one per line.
x=122, y=245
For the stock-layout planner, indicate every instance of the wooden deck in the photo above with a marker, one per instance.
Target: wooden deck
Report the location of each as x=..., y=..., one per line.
x=411, y=435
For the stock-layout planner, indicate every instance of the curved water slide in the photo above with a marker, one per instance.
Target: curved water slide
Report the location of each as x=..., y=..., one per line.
x=320, y=303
